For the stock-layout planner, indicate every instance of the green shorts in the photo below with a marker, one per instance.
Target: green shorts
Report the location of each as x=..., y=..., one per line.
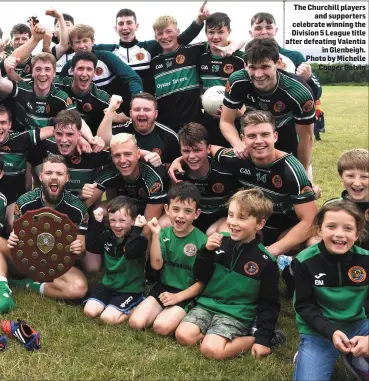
x=211, y=323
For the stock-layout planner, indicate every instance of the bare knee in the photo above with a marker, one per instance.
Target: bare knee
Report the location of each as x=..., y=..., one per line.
x=108, y=319
x=184, y=337
x=77, y=289
x=162, y=328
x=211, y=352
x=90, y=313
x=137, y=322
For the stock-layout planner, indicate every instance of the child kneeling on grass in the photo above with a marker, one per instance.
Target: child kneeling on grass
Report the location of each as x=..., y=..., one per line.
x=173, y=251
x=123, y=248
x=241, y=279
x=331, y=288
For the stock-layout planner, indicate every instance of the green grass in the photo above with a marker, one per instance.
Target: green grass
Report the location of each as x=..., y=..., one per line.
x=77, y=348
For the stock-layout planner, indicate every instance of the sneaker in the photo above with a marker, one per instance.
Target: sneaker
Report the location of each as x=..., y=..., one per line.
x=279, y=338
x=295, y=358
x=23, y=332
x=3, y=343
x=357, y=367
x=6, y=301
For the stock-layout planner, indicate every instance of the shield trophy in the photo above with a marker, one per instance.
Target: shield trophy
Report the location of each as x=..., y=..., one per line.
x=42, y=252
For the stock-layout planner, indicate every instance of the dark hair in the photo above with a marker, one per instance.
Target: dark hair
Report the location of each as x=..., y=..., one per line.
x=87, y=56
x=66, y=18
x=184, y=191
x=193, y=133
x=5, y=110
x=1, y=163
x=66, y=117
x=122, y=202
x=262, y=16
x=217, y=20
x=20, y=28
x=147, y=96
x=126, y=12
x=261, y=49
x=347, y=206
x=55, y=159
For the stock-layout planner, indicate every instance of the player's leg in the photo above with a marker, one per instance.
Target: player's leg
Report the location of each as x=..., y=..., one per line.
x=6, y=300
x=145, y=313
x=164, y=221
x=93, y=308
x=226, y=338
x=222, y=226
x=71, y=285
x=97, y=301
x=194, y=326
x=91, y=262
x=168, y=320
x=9, y=217
x=120, y=307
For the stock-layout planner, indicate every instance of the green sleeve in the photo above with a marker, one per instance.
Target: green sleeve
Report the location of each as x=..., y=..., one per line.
x=164, y=234
x=107, y=47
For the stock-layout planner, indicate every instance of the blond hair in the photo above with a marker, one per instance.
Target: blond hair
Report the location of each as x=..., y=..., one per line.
x=44, y=57
x=163, y=21
x=357, y=158
x=252, y=202
x=80, y=31
x=257, y=117
x=122, y=138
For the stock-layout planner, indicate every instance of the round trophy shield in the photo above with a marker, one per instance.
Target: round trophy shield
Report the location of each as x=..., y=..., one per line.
x=42, y=252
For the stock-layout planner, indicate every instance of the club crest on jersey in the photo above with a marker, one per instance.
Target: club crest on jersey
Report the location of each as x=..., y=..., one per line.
x=357, y=274
x=218, y=188
x=308, y=106
x=279, y=106
x=87, y=107
x=140, y=56
x=190, y=250
x=180, y=59
x=366, y=215
x=99, y=71
x=155, y=187
x=47, y=108
x=277, y=181
x=142, y=193
x=227, y=87
x=251, y=268
x=158, y=151
x=306, y=189
x=228, y=68
x=76, y=159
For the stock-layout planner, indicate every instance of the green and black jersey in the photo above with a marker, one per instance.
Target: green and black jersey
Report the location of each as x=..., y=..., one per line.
x=177, y=85
x=3, y=205
x=24, y=70
x=284, y=181
x=138, y=54
x=291, y=102
x=111, y=74
x=364, y=207
x=14, y=151
x=216, y=187
x=330, y=289
x=82, y=168
x=70, y=205
x=179, y=255
x=33, y=111
x=293, y=59
x=150, y=187
x=241, y=282
x=90, y=105
x=162, y=140
x=124, y=259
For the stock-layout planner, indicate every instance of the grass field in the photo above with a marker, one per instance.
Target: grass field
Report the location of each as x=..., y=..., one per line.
x=77, y=348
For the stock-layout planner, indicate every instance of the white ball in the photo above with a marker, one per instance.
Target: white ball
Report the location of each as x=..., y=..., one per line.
x=213, y=99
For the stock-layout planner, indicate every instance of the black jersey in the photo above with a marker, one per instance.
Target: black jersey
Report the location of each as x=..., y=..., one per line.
x=216, y=187
x=150, y=187
x=14, y=151
x=161, y=139
x=70, y=205
x=284, y=181
x=90, y=105
x=177, y=85
x=24, y=70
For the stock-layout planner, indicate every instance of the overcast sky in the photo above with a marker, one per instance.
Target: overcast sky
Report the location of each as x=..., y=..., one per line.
x=101, y=15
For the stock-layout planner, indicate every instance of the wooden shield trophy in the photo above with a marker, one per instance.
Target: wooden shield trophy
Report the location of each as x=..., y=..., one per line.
x=42, y=252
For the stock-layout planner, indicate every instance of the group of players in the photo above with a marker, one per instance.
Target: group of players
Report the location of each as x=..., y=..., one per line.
x=61, y=112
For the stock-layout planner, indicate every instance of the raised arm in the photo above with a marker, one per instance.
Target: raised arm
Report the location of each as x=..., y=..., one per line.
x=63, y=45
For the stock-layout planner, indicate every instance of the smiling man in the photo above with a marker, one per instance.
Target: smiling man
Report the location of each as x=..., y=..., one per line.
x=260, y=86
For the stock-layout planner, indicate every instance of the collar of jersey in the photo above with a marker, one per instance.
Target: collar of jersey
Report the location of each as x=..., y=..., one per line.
x=52, y=206
x=334, y=257
x=128, y=44
x=203, y=177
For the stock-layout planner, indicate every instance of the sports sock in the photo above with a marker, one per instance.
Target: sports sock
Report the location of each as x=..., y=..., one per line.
x=26, y=283
x=6, y=300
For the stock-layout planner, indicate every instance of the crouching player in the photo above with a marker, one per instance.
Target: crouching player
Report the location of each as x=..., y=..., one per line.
x=241, y=279
x=123, y=247
x=173, y=251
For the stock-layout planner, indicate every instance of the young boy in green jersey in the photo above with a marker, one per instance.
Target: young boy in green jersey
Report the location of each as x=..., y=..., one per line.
x=173, y=251
x=123, y=247
x=241, y=279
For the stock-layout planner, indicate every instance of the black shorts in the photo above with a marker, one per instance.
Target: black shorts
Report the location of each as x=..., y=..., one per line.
x=160, y=287
x=271, y=233
x=204, y=221
x=122, y=301
x=287, y=139
x=36, y=154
